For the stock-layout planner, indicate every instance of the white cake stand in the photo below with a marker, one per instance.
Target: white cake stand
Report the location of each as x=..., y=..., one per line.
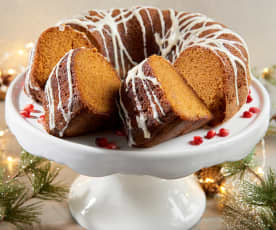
x=130, y=188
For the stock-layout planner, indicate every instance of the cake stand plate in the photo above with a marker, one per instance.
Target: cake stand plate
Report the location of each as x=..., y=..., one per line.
x=129, y=188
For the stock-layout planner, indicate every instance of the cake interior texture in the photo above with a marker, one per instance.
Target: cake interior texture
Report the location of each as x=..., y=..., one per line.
x=204, y=72
x=97, y=81
x=59, y=41
x=182, y=98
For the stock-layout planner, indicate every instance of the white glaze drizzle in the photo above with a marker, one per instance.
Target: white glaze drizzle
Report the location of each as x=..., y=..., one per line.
x=183, y=24
x=138, y=73
x=28, y=82
x=50, y=96
x=181, y=35
x=171, y=43
x=104, y=22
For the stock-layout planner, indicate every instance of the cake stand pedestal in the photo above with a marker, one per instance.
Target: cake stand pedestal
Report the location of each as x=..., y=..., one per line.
x=136, y=202
x=134, y=188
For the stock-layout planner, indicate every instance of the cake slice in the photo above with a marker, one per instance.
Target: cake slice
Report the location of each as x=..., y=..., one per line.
x=52, y=45
x=156, y=104
x=212, y=77
x=79, y=94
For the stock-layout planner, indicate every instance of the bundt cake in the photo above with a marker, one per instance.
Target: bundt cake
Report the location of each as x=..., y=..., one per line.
x=157, y=105
x=79, y=94
x=212, y=58
x=49, y=49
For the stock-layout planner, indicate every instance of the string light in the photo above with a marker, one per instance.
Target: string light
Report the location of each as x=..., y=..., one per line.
x=260, y=171
x=2, y=133
x=29, y=45
x=20, y=52
x=266, y=70
x=10, y=159
x=209, y=180
x=222, y=189
x=11, y=71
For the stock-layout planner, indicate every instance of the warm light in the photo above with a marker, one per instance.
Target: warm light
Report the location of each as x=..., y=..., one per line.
x=260, y=171
x=30, y=45
x=20, y=52
x=222, y=189
x=209, y=180
x=266, y=70
x=2, y=133
x=11, y=71
x=10, y=159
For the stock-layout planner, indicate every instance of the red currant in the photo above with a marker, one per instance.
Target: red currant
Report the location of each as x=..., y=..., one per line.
x=111, y=145
x=254, y=110
x=101, y=141
x=210, y=134
x=29, y=107
x=247, y=114
x=223, y=132
x=249, y=99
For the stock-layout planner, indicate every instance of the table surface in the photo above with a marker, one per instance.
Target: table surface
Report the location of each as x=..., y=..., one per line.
x=56, y=216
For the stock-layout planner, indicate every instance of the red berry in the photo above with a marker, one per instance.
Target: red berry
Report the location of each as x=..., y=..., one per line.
x=247, y=114
x=25, y=113
x=29, y=108
x=194, y=143
x=197, y=140
x=210, y=134
x=249, y=99
x=120, y=133
x=111, y=145
x=223, y=132
x=249, y=91
x=41, y=119
x=254, y=110
x=101, y=141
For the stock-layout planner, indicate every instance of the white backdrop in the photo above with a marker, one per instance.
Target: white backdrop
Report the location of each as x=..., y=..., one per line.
x=255, y=20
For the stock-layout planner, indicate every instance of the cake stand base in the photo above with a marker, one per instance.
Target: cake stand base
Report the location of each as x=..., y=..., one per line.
x=124, y=202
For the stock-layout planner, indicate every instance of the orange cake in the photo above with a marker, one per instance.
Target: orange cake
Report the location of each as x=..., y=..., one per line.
x=79, y=94
x=210, y=58
x=49, y=49
x=157, y=105
x=203, y=51
x=215, y=81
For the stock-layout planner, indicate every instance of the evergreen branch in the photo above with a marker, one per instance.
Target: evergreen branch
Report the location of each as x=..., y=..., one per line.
x=16, y=197
x=240, y=216
x=44, y=186
x=28, y=163
x=263, y=194
x=21, y=214
x=239, y=167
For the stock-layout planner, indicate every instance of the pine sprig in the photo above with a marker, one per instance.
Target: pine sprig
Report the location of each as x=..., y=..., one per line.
x=16, y=196
x=263, y=194
x=240, y=216
x=44, y=186
x=29, y=163
x=22, y=214
x=239, y=167
x=253, y=206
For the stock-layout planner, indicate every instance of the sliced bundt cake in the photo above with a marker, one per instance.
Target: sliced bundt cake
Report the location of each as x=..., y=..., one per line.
x=156, y=104
x=49, y=49
x=190, y=40
x=222, y=85
x=79, y=94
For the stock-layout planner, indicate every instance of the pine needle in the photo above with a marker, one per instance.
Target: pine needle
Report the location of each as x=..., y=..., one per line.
x=239, y=167
x=16, y=196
